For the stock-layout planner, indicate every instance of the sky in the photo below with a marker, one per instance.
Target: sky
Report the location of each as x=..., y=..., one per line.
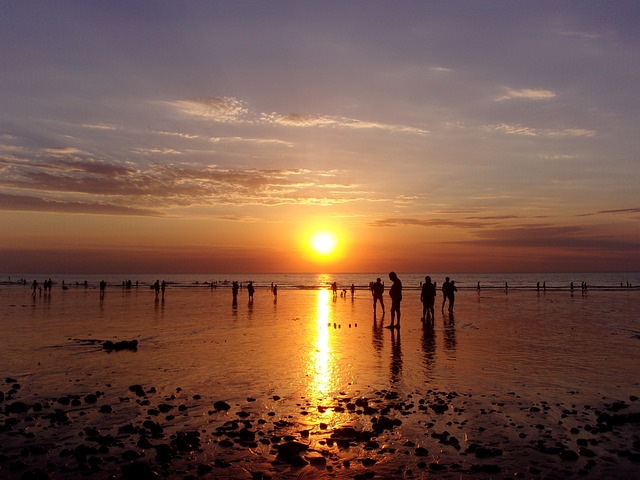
x=218, y=136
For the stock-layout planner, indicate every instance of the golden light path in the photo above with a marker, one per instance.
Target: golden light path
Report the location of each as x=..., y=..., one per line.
x=322, y=376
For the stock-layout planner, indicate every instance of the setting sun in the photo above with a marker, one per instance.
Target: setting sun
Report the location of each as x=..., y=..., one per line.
x=323, y=243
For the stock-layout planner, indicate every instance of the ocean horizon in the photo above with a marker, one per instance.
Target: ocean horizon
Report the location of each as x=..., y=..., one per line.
x=556, y=280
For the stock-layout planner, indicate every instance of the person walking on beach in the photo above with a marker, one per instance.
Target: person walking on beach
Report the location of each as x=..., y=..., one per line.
x=452, y=294
x=163, y=287
x=395, y=292
x=428, y=297
x=377, y=290
x=445, y=291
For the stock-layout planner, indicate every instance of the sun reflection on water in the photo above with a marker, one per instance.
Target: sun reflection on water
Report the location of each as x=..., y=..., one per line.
x=322, y=368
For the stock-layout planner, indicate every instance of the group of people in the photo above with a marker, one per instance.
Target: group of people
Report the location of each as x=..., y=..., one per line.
x=46, y=286
x=395, y=292
x=427, y=297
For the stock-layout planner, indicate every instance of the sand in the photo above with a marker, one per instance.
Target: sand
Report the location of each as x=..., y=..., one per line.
x=521, y=385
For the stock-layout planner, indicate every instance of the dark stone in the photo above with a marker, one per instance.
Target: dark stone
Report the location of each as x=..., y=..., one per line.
x=487, y=452
x=91, y=398
x=17, y=407
x=138, y=390
x=110, y=346
x=290, y=453
x=220, y=405
x=421, y=452
x=106, y=409
x=439, y=408
x=569, y=455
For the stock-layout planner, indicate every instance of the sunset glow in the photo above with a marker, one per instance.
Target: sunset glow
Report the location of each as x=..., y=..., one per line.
x=324, y=243
x=218, y=136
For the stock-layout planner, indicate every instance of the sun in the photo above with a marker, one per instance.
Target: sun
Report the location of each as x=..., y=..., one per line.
x=323, y=243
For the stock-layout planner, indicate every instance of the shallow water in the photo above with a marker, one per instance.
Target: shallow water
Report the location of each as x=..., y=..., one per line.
x=308, y=349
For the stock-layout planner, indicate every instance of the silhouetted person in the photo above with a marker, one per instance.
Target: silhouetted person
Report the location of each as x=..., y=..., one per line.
x=427, y=297
x=395, y=292
x=250, y=291
x=156, y=287
x=538, y=286
x=163, y=287
x=334, y=289
x=377, y=290
x=452, y=294
x=445, y=291
x=275, y=290
x=353, y=290
x=34, y=287
x=234, y=290
x=103, y=287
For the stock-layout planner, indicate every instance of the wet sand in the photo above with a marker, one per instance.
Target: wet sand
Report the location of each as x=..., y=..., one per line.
x=519, y=385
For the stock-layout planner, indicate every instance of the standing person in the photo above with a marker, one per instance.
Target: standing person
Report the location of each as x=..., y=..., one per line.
x=250, y=290
x=156, y=287
x=353, y=290
x=452, y=294
x=395, y=292
x=377, y=291
x=163, y=287
x=445, y=291
x=428, y=297
x=234, y=290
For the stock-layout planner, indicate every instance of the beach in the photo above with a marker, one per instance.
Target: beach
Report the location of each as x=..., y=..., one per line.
x=515, y=383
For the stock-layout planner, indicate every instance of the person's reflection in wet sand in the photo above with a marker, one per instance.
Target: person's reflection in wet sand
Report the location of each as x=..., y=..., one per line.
x=449, y=334
x=429, y=348
x=396, y=356
x=377, y=336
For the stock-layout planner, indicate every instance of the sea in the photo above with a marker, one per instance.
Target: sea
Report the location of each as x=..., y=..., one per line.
x=464, y=281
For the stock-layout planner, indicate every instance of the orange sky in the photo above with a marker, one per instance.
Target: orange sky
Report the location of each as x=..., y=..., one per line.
x=215, y=137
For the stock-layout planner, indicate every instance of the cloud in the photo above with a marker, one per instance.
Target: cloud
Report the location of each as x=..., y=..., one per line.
x=547, y=236
x=526, y=94
x=155, y=187
x=430, y=222
x=273, y=141
x=101, y=126
x=219, y=109
x=233, y=110
x=535, y=132
x=25, y=203
x=322, y=121
x=441, y=70
x=188, y=136
x=157, y=151
x=620, y=211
